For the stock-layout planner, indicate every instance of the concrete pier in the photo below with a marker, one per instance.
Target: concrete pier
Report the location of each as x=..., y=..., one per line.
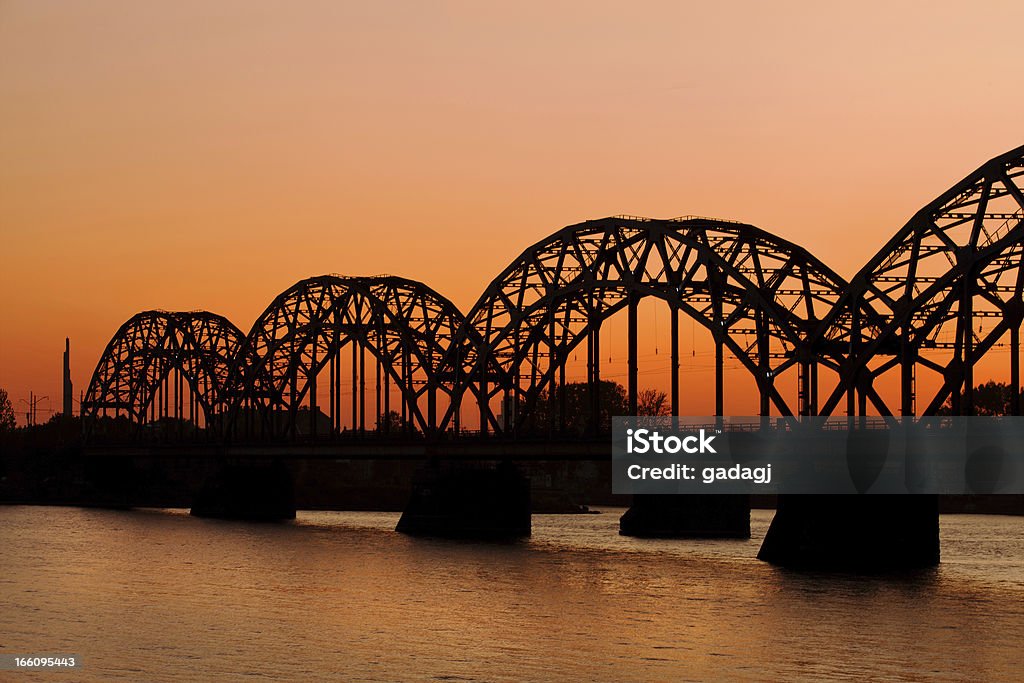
x=250, y=491
x=854, y=533
x=682, y=516
x=468, y=500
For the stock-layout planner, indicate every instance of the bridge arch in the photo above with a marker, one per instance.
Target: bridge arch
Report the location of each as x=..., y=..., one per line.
x=406, y=327
x=163, y=365
x=759, y=296
x=945, y=291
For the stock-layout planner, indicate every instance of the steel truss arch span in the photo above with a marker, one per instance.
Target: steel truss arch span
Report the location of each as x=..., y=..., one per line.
x=406, y=327
x=152, y=350
x=947, y=289
x=759, y=295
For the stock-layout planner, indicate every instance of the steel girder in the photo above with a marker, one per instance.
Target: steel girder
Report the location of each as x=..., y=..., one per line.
x=945, y=290
x=759, y=295
x=196, y=348
x=406, y=327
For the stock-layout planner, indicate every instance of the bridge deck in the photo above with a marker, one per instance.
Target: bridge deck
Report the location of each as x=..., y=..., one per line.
x=595, y=450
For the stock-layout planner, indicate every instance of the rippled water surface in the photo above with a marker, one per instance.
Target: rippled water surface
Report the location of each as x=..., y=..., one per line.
x=159, y=595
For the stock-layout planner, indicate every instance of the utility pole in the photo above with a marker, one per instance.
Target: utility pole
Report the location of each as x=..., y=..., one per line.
x=33, y=404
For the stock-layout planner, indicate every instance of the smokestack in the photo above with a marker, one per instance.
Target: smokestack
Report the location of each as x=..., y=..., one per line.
x=68, y=389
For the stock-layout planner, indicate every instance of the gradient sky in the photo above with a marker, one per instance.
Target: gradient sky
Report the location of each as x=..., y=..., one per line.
x=207, y=155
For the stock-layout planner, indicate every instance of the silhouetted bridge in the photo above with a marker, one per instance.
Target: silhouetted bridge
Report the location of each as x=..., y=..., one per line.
x=398, y=357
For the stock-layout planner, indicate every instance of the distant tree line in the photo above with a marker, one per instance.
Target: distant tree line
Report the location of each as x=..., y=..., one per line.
x=579, y=416
x=7, y=420
x=990, y=398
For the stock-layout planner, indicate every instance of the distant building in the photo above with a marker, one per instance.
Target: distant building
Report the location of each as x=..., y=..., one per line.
x=68, y=388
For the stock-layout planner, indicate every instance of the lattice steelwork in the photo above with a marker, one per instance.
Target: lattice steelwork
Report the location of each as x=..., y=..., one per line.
x=946, y=290
x=406, y=327
x=760, y=297
x=163, y=365
x=943, y=292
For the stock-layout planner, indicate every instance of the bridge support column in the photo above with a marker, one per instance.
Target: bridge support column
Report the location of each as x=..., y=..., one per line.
x=109, y=482
x=468, y=500
x=683, y=516
x=251, y=490
x=853, y=533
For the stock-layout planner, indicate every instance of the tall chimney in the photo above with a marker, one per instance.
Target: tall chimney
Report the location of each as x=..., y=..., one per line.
x=68, y=389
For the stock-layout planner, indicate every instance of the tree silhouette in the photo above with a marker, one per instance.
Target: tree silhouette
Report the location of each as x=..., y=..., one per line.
x=578, y=413
x=7, y=421
x=652, y=402
x=392, y=423
x=990, y=398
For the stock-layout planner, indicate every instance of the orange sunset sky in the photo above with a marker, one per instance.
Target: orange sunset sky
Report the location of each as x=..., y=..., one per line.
x=206, y=155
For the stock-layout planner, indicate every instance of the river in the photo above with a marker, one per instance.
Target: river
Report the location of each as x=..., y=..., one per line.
x=152, y=595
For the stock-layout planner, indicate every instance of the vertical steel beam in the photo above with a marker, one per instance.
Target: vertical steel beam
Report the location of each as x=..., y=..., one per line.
x=506, y=417
x=967, y=316
x=814, y=388
x=803, y=388
x=632, y=350
x=674, y=314
x=595, y=376
x=719, y=374
x=431, y=405
x=293, y=381
x=907, y=361
x=561, y=397
x=591, y=411
x=765, y=380
x=332, y=370
x=1015, y=368
x=852, y=359
x=337, y=389
x=377, y=382
x=387, y=394
x=403, y=381
x=362, y=386
x=355, y=382
x=458, y=386
x=552, y=366
x=407, y=389
x=312, y=386
x=482, y=369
